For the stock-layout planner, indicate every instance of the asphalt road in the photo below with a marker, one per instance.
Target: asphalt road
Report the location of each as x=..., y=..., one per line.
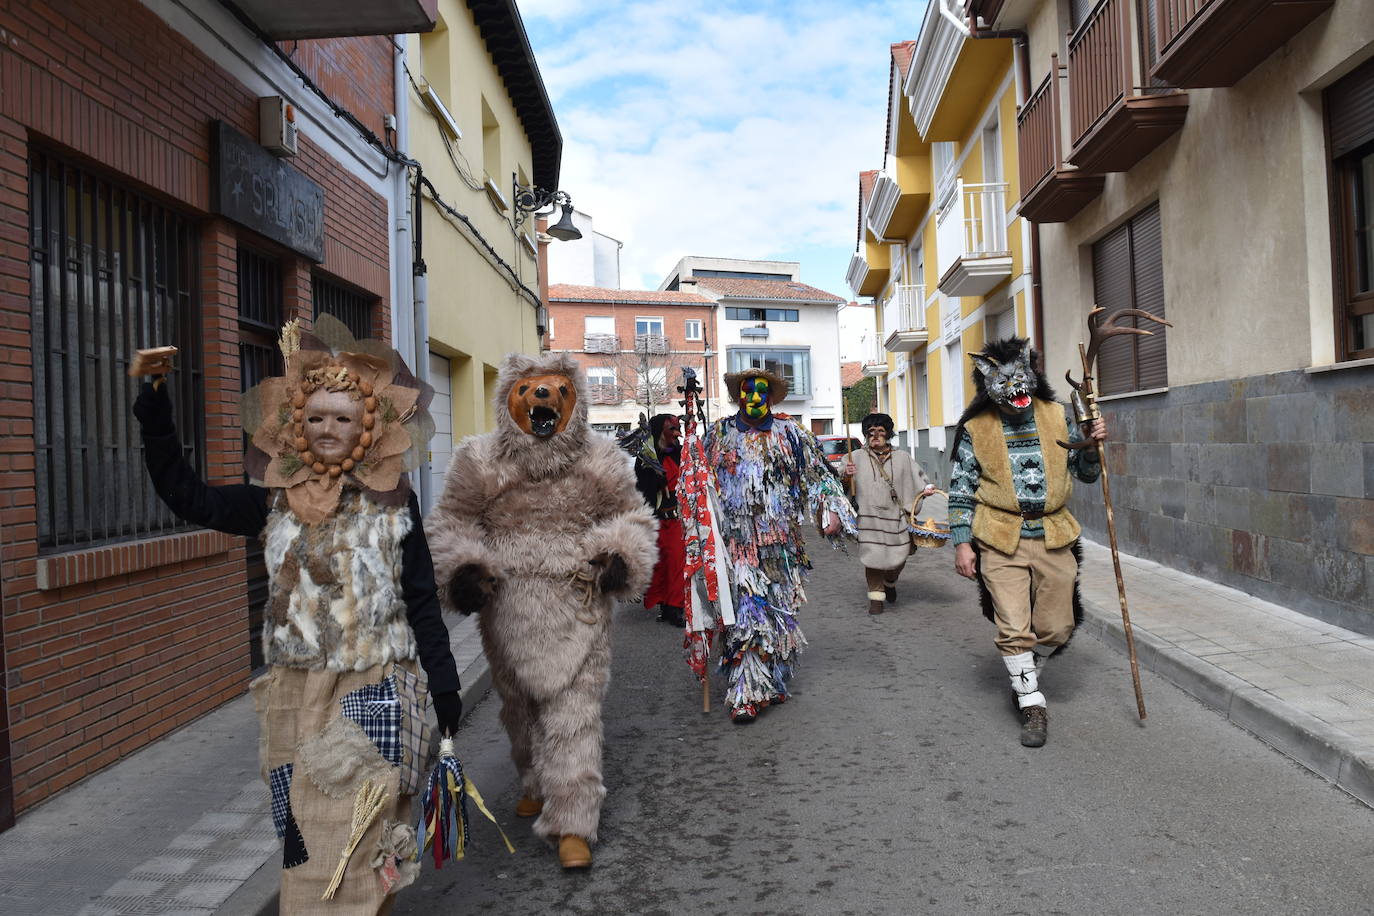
x=894, y=782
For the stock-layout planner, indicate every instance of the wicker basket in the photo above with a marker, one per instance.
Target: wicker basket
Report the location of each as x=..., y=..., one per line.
x=929, y=533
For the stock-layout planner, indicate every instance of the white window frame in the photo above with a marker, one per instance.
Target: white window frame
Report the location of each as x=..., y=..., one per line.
x=650, y=331
x=594, y=372
x=687, y=327
x=588, y=319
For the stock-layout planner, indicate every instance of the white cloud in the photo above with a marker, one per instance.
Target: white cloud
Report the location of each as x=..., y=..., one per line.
x=735, y=130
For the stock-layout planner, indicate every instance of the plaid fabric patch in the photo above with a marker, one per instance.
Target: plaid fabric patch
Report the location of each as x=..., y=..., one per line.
x=377, y=710
x=413, y=691
x=280, y=781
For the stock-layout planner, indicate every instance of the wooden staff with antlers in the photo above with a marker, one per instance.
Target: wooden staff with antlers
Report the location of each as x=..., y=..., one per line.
x=1085, y=411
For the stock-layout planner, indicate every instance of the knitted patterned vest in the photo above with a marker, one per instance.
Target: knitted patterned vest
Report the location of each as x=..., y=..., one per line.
x=997, y=517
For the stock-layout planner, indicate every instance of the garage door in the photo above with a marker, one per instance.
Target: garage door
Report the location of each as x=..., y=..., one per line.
x=441, y=446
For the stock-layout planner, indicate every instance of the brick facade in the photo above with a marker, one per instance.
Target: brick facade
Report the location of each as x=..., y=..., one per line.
x=107, y=649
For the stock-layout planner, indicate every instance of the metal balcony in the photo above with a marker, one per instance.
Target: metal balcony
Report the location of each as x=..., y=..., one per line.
x=1052, y=190
x=1216, y=42
x=341, y=18
x=1115, y=119
x=604, y=394
x=971, y=238
x=875, y=360
x=651, y=343
x=904, y=319
x=600, y=343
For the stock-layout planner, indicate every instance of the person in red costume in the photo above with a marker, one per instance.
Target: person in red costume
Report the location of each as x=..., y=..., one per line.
x=656, y=472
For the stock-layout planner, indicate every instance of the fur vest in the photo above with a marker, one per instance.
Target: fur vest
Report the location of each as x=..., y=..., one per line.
x=997, y=518
x=335, y=601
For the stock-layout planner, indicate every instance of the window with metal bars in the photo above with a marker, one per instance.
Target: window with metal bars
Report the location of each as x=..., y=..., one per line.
x=1350, y=132
x=111, y=272
x=1128, y=272
x=353, y=308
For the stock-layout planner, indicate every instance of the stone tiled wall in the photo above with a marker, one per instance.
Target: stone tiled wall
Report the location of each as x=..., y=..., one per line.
x=1265, y=484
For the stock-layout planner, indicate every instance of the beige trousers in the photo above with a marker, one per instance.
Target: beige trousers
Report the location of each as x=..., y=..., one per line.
x=1032, y=594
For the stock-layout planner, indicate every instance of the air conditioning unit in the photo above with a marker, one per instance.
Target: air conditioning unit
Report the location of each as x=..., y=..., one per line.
x=277, y=125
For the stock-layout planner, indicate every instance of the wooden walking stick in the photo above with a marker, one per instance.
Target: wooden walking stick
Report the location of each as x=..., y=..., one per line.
x=1085, y=411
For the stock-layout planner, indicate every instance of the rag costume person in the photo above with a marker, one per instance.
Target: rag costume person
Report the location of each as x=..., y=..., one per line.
x=1008, y=520
x=540, y=529
x=770, y=476
x=657, y=468
x=886, y=484
x=351, y=607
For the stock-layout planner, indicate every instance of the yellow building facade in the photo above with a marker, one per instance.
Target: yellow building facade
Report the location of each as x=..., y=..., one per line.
x=480, y=121
x=941, y=247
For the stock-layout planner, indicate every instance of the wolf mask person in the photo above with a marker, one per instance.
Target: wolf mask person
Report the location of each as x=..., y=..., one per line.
x=1012, y=530
x=539, y=529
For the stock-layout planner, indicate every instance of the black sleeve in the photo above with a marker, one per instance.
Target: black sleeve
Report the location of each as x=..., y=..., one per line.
x=422, y=607
x=237, y=509
x=648, y=482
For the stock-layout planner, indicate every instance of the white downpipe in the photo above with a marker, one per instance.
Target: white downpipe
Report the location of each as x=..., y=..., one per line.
x=954, y=20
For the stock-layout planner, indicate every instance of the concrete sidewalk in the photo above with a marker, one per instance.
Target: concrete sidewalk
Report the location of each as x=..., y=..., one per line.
x=181, y=827
x=1303, y=686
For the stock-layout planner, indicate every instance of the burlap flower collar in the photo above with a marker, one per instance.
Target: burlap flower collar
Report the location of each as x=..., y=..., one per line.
x=396, y=426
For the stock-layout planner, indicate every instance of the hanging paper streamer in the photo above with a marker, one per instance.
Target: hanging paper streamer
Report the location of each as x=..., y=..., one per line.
x=443, y=809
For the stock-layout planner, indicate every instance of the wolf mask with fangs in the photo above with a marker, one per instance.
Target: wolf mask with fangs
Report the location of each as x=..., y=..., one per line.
x=1004, y=376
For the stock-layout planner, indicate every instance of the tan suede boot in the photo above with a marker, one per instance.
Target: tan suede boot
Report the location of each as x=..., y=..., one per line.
x=573, y=852
x=528, y=807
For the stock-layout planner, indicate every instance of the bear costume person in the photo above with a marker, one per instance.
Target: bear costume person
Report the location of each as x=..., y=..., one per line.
x=539, y=529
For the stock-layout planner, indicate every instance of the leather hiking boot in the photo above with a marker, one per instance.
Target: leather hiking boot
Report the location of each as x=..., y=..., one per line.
x=1035, y=725
x=573, y=852
x=528, y=807
x=890, y=593
x=875, y=606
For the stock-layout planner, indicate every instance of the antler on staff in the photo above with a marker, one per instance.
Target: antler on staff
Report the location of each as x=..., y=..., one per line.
x=1085, y=397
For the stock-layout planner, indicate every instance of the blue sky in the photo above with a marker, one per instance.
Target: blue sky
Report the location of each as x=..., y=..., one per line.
x=733, y=129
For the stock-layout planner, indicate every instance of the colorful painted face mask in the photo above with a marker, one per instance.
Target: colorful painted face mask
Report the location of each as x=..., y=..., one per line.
x=1009, y=384
x=542, y=405
x=753, y=397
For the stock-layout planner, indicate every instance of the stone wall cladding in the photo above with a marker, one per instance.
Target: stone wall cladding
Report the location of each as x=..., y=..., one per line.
x=1264, y=483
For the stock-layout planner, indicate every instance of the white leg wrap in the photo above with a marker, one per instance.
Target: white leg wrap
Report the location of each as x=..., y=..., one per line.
x=877, y=596
x=1042, y=656
x=1025, y=682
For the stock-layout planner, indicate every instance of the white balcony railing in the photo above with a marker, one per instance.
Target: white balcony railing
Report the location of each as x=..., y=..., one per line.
x=875, y=357
x=600, y=343
x=904, y=319
x=985, y=219
x=651, y=343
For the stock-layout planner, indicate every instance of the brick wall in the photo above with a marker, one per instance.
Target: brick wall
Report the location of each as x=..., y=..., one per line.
x=1265, y=484
x=107, y=649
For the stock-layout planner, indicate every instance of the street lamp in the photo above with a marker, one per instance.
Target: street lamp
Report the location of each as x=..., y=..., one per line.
x=706, y=355
x=530, y=199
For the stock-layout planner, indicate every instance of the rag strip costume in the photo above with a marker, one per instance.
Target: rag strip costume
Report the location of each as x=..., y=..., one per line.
x=886, y=484
x=352, y=606
x=656, y=475
x=771, y=477
x=1007, y=497
x=540, y=529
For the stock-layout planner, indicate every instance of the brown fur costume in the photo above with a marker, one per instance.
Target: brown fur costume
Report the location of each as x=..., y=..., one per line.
x=534, y=513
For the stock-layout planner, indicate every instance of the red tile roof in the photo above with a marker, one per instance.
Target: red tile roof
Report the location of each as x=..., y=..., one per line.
x=902, y=52
x=748, y=288
x=851, y=373
x=571, y=292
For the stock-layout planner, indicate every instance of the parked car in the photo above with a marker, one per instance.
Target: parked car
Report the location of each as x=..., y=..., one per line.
x=835, y=450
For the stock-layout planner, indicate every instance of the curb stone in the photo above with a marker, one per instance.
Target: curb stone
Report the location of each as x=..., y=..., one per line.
x=1308, y=741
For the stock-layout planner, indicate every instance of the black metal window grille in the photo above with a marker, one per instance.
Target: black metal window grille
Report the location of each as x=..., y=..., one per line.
x=111, y=272
x=354, y=309
x=260, y=321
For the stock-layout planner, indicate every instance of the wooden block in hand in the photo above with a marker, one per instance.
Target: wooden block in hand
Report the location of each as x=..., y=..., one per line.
x=157, y=361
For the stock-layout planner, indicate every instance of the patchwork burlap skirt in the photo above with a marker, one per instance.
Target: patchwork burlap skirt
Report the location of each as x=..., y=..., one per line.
x=327, y=739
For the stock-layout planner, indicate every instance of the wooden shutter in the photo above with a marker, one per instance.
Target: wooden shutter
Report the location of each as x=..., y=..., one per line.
x=1112, y=291
x=1350, y=111
x=1147, y=269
